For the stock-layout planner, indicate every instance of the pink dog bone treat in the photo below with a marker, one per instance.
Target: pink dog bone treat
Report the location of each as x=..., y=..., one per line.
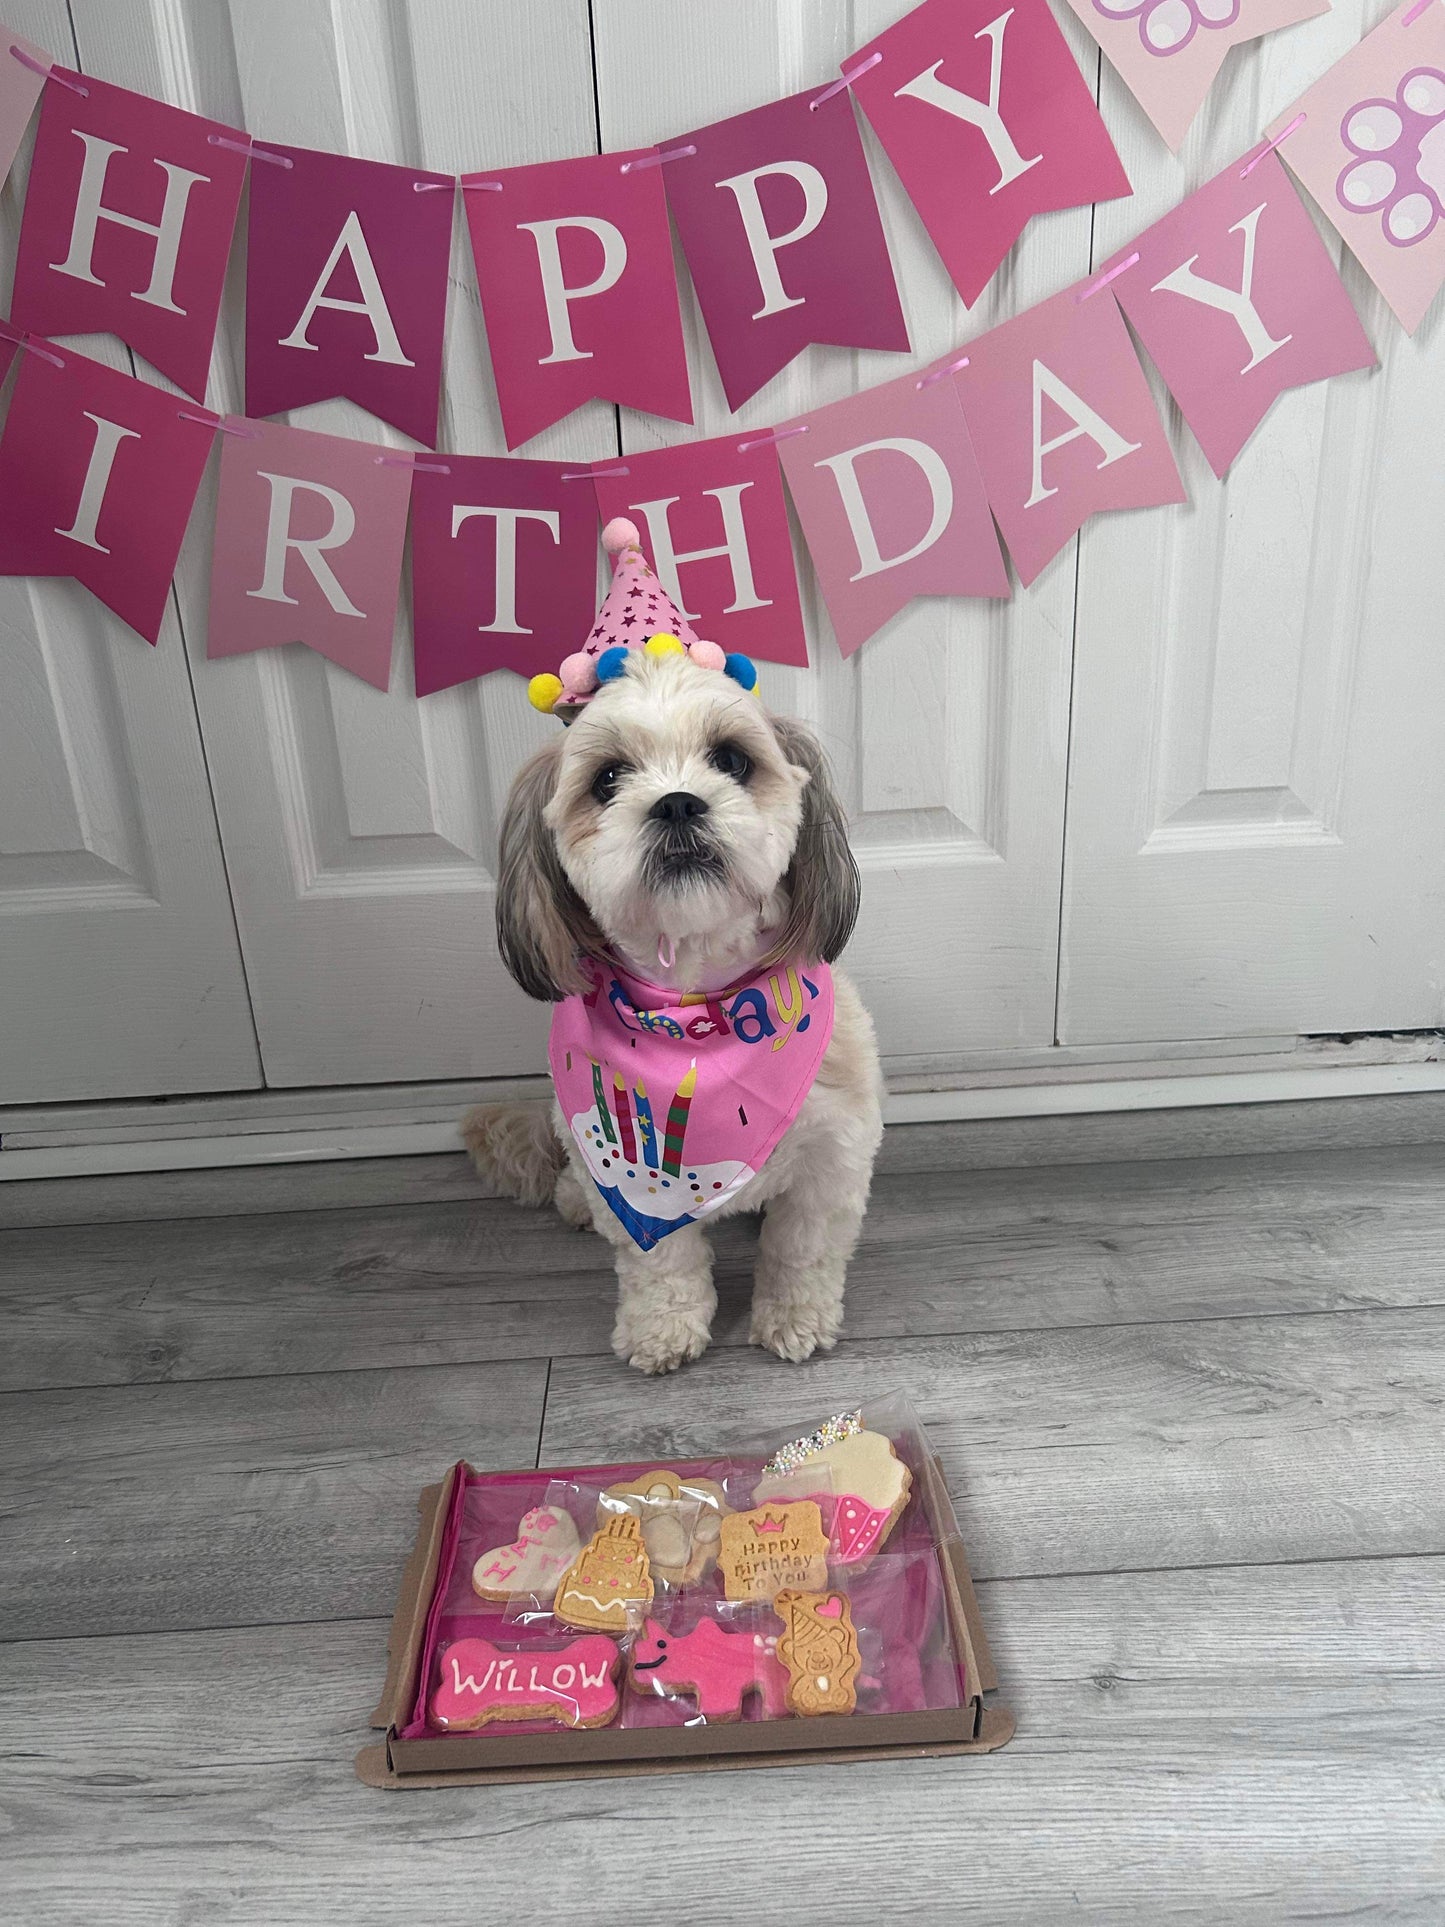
x=481, y=1683
x=868, y=1481
x=545, y=1545
x=715, y=1668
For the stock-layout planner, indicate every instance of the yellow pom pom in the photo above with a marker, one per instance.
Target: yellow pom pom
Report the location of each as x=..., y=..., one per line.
x=543, y=691
x=662, y=645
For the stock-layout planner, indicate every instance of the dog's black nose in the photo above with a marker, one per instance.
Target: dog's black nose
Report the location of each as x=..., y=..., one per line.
x=678, y=806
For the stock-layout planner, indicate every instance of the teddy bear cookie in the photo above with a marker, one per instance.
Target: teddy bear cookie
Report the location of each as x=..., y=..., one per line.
x=609, y=1584
x=717, y=1669
x=771, y=1547
x=481, y=1682
x=546, y=1543
x=867, y=1481
x=681, y=1522
x=819, y=1647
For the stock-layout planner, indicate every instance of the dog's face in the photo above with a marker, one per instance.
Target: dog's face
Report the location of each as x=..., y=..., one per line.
x=674, y=804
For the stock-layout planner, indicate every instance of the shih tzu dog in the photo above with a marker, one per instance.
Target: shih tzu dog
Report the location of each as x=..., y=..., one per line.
x=675, y=877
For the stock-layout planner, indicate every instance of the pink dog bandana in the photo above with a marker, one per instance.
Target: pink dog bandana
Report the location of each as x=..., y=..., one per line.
x=676, y=1099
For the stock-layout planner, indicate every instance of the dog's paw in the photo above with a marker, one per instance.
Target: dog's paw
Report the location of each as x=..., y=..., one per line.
x=571, y=1200
x=661, y=1342
x=795, y=1328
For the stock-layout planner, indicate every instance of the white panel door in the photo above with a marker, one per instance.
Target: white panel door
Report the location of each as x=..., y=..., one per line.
x=1256, y=790
x=949, y=728
x=361, y=826
x=120, y=972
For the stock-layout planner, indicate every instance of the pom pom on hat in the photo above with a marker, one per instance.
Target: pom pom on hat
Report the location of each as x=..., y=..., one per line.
x=707, y=655
x=543, y=691
x=663, y=645
x=579, y=674
x=620, y=534
x=742, y=669
x=611, y=663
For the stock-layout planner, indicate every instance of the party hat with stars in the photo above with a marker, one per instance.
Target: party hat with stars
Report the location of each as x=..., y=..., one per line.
x=637, y=613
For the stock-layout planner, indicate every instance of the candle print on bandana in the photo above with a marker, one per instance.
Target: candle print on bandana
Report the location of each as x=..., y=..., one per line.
x=676, y=1100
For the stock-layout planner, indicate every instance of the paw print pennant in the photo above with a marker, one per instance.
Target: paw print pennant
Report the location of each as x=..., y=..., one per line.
x=1369, y=144
x=1167, y=52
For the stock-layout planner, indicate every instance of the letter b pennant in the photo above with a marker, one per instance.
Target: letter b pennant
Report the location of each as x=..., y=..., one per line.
x=988, y=120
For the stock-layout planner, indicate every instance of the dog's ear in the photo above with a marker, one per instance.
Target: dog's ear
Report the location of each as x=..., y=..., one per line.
x=542, y=923
x=823, y=884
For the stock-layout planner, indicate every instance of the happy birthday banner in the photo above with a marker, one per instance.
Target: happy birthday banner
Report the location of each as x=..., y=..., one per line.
x=902, y=490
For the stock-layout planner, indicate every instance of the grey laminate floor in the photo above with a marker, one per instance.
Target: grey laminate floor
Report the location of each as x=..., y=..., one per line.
x=1191, y=1406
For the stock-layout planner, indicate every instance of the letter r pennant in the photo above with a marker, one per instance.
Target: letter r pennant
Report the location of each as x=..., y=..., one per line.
x=985, y=115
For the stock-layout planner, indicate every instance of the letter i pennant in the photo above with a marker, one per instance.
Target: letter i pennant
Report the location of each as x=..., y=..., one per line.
x=983, y=111
x=98, y=473
x=128, y=222
x=1236, y=299
x=309, y=537
x=1064, y=424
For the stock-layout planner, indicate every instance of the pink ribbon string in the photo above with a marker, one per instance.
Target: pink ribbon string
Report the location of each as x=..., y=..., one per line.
x=436, y=187
x=48, y=72
x=225, y=428
x=470, y=187
x=656, y=160
x=593, y=474
x=1420, y=6
x=22, y=340
x=410, y=461
x=1109, y=274
x=847, y=81
x=777, y=435
x=1269, y=146
x=938, y=374
x=251, y=152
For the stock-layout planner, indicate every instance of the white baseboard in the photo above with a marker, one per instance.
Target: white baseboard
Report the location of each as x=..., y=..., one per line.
x=295, y=1128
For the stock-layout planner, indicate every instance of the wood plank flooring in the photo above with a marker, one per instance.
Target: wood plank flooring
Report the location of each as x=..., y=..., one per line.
x=1192, y=1410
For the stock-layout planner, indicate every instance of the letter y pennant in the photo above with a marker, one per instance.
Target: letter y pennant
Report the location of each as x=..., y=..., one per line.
x=988, y=120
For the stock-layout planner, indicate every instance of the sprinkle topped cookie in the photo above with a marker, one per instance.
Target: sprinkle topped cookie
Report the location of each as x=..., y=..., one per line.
x=863, y=1475
x=789, y=1457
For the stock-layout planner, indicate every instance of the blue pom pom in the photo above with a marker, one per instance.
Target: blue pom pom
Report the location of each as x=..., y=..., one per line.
x=611, y=663
x=742, y=669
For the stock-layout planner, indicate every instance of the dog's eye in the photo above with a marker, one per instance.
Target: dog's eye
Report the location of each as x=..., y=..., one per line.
x=604, y=783
x=729, y=760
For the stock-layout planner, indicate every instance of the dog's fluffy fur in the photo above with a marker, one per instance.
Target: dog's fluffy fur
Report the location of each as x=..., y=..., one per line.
x=763, y=871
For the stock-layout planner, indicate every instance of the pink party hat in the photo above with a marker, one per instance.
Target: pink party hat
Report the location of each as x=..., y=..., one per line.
x=637, y=613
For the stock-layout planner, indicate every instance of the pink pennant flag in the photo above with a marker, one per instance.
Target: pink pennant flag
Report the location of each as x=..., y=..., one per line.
x=98, y=473
x=782, y=235
x=1368, y=141
x=574, y=263
x=988, y=120
x=1064, y=424
x=128, y=222
x=713, y=519
x=1236, y=298
x=23, y=67
x=310, y=531
x=504, y=566
x=1167, y=52
x=888, y=490
x=346, y=285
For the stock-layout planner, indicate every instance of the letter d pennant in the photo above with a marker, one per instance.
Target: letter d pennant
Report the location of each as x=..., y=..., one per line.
x=98, y=473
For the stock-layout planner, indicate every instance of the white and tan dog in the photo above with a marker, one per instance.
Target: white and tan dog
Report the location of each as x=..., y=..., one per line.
x=676, y=818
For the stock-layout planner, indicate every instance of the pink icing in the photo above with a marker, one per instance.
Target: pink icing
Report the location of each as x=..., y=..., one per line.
x=717, y=1669
x=855, y=1530
x=481, y=1682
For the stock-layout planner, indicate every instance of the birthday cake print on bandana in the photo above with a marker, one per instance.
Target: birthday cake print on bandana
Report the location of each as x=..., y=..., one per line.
x=676, y=1099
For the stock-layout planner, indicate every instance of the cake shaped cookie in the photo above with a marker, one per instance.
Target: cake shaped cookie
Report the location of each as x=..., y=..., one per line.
x=608, y=1586
x=857, y=1470
x=681, y=1522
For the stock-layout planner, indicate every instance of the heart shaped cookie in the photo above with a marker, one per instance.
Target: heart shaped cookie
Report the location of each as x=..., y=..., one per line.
x=545, y=1545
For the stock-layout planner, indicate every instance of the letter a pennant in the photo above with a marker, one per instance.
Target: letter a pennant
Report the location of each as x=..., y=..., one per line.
x=988, y=120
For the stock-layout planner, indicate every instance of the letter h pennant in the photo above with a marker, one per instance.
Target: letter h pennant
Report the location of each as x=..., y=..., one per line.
x=1236, y=299
x=128, y=221
x=98, y=474
x=574, y=264
x=346, y=286
x=985, y=114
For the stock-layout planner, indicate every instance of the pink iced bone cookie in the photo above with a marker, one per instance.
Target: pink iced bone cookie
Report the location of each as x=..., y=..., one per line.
x=715, y=1668
x=545, y=1545
x=481, y=1683
x=861, y=1473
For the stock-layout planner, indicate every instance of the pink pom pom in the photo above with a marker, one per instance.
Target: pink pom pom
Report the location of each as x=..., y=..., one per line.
x=707, y=655
x=579, y=674
x=620, y=534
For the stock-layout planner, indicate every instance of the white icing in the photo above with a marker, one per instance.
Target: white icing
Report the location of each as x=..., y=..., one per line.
x=696, y=1190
